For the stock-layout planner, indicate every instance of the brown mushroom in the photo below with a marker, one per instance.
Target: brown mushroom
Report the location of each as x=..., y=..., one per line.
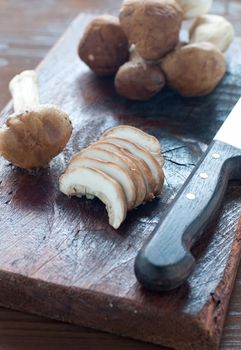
x=104, y=46
x=153, y=26
x=139, y=79
x=194, y=69
x=35, y=133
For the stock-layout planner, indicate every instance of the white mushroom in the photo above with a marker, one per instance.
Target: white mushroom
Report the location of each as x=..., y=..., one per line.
x=113, y=170
x=137, y=136
x=213, y=29
x=118, y=158
x=138, y=163
x=35, y=133
x=146, y=156
x=86, y=180
x=194, y=8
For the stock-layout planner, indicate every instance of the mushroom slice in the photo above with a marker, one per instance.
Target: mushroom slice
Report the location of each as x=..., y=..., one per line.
x=146, y=156
x=137, y=162
x=122, y=161
x=87, y=180
x=113, y=170
x=141, y=164
x=137, y=136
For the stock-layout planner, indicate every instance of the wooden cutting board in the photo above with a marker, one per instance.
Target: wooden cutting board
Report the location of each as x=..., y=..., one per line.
x=60, y=258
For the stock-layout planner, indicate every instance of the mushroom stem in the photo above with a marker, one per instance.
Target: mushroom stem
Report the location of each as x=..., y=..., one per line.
x=24, y=90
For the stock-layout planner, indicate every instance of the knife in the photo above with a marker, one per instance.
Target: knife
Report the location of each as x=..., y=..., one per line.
x=165, y=261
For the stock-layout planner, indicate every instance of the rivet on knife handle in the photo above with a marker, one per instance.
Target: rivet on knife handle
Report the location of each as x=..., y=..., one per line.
x=165, y=261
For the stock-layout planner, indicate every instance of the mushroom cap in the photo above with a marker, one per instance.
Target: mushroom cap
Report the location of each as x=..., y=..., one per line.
x=194, y=69
x=213, y=29
x=104, y=46
x=138, y=163
x=118, y=158
x=144, y=155
x=139, y=80
x=152, y=25
x=195, y=8
x=32, y=138
x=111, y=169
x=85, y=180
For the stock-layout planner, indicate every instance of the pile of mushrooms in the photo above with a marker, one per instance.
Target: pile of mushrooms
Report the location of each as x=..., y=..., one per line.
x=123, y=169
x=142, y=47
x=34, y=133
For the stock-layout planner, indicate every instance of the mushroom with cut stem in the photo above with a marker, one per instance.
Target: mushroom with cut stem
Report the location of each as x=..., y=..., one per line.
x=34, y=133
x=86, y=180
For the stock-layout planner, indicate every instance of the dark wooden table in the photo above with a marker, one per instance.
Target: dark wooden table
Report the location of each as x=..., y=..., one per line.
x=28, y=28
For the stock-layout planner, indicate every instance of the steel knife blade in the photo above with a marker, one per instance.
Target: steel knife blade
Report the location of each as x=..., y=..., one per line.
x=165, y=261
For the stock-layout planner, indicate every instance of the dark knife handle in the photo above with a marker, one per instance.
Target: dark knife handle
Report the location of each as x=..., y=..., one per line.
x=165, y=261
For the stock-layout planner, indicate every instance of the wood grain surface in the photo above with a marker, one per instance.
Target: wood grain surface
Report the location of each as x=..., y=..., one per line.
x=63, y=333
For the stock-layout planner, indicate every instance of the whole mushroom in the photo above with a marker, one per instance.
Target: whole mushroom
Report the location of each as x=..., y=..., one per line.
x=34, y=133
x=139, y=79
x=214, y=29
x=194, y=69
x=104, y=46
x=152, y=25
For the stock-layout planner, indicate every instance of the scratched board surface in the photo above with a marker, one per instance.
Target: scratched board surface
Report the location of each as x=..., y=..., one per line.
x=60, y=258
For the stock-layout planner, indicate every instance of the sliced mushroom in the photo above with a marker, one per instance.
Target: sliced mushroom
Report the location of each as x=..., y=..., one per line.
x=138, y=163
x=146, y=173
x=96, y=151
x=146, y=156
x=135, y=135
x=85, y=180
x=113, y=170
x=141, y=164
x=139, y=137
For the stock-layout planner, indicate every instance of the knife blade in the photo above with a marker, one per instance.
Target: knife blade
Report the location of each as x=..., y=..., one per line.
x=165, y=261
